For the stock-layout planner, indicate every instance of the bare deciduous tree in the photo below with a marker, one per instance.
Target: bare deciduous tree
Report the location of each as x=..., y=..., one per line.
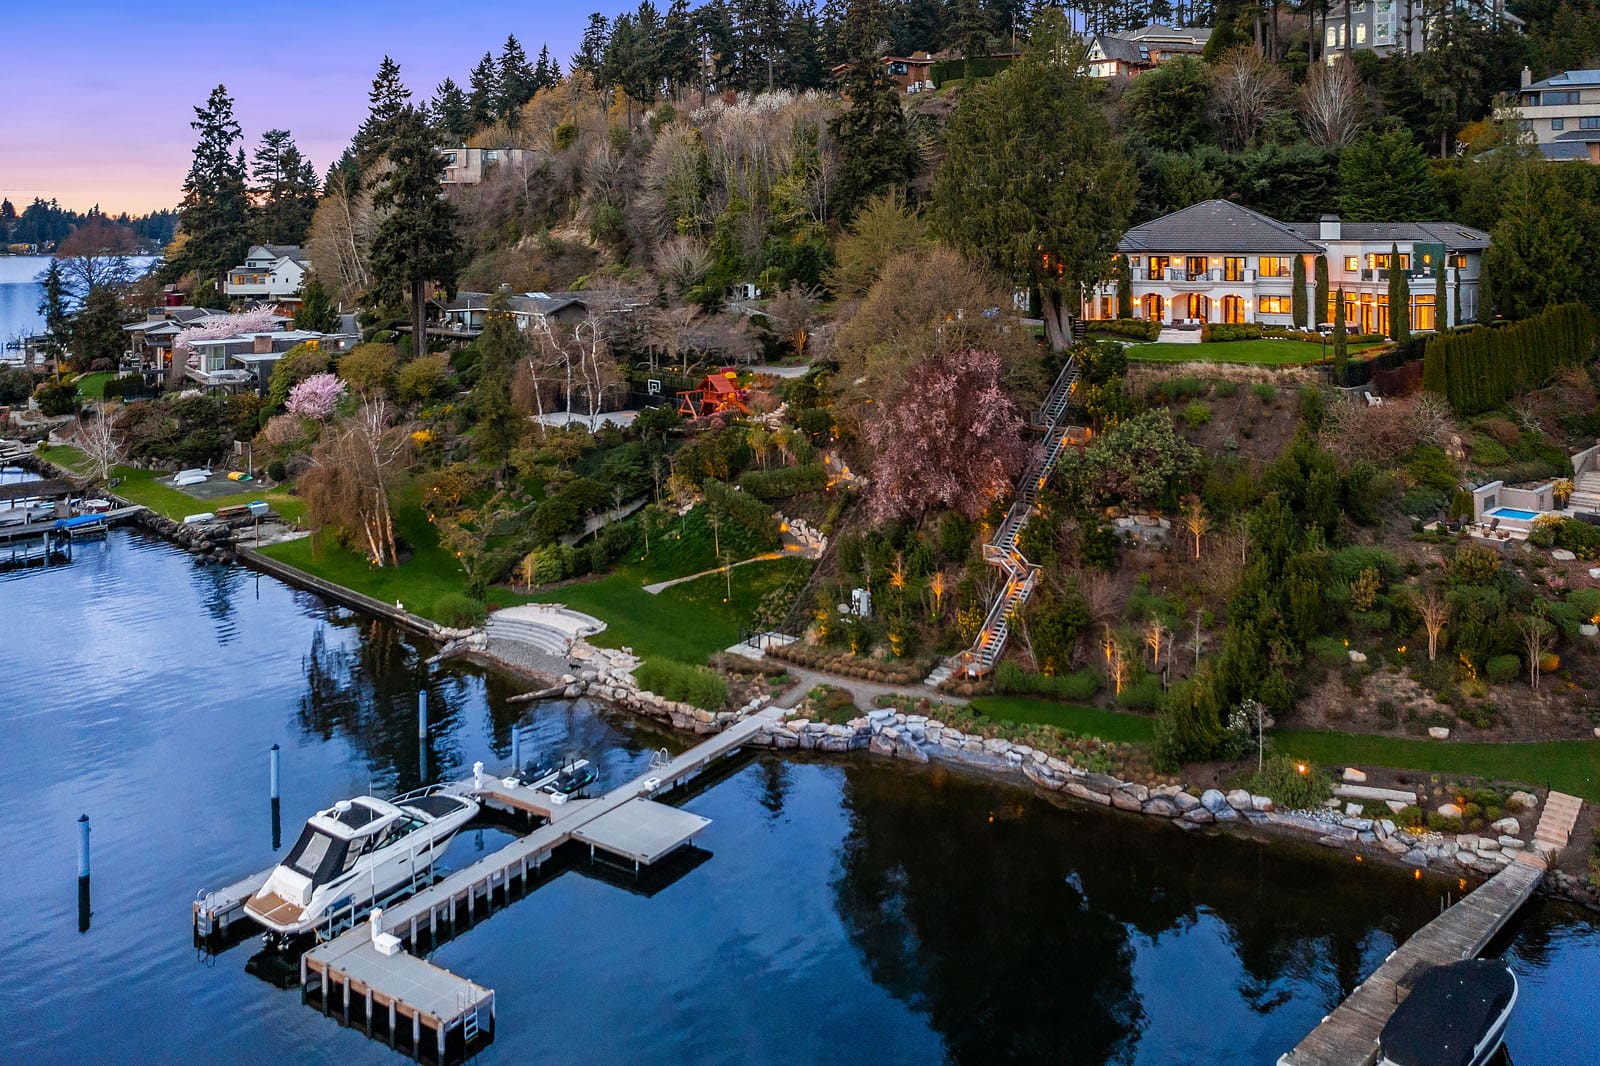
x=793, y=311
x=1196, y=521
x=681, y=263
x=1537, y=637
x=101, y=441
x=341, y=237
x=581, y=353
x=1333, y=105
x=1247, y=94
x=1435, y=612
x=353, y=469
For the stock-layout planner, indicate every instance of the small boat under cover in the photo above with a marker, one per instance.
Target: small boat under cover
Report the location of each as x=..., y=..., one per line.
x=1455, y=1016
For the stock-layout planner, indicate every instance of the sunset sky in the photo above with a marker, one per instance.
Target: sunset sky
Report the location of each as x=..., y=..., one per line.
x=96, y=97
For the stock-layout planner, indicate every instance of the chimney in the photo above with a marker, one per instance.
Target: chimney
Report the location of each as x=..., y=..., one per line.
x=1527, y=77
x=1329, y=227
x=261, y=344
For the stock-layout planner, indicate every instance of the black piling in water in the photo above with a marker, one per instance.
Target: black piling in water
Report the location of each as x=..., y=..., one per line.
x=277, y=817
x=84, y=909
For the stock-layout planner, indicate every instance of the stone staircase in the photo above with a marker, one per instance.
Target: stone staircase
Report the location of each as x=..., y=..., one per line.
x=549, y=628
x=1586, y=492
x=1001, y=550
x=1555, y=824
x=1169, y=335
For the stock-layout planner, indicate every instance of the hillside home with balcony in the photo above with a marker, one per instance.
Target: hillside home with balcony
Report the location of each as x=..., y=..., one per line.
x=469, y=166
x=270, y=272
x=247, y=359
x=1396, y=27
x=1113, y=55
x=1560, y=113
x=1217, y=262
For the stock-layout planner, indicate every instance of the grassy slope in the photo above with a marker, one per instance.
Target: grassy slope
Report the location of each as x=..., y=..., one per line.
x=143, y=486
x=1084, y=721
x=93, y=386
x=1258, y=352
x=1569, y=765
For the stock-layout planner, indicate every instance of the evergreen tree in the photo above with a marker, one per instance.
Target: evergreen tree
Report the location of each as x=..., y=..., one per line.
x=498, y=422
x=759, y=24
x=546, y=71
x=1533, y=257
x=97, y=335
x=387, y=99
x=316, y=311
x=800, y=58
x=451, y=113
x=516, y=81
x=1341, y=341
x=876, y=150
x=215, y=210
x=1384, y=177
x=53, y=308
x=1033, y=181
x=714, y=38
x=1441, y=306
x=1321, y=309
x=1124, y=288
x=285, y=190
x=483, y=92
x=416, y=244
x=1297, y=298
x=591, y=52
x=680, y=62
x=1399, y=299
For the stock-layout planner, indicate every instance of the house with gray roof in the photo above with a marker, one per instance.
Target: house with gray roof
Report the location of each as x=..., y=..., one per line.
x=1132, y=52
x=1218, y=262
x=1561, y=114
x=272, y=272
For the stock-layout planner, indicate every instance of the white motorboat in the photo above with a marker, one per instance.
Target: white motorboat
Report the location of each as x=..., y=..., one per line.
x=356, y=854
x=1455, y=1016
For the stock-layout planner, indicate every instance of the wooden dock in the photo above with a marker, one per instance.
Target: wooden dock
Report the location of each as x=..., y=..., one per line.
x=625, y=823
x=1349, y=1036
x=26, y=530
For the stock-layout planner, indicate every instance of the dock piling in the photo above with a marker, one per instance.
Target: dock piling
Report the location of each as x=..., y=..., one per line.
x=273, y=770
x=516, y=751
x=422, y=715
x=277, y=807
x=85, y=911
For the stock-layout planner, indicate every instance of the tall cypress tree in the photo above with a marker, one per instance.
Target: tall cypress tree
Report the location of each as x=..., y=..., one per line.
x=215, y=211
x=1399, y=298
x=387, y=99
x=1124, y=288
x=1297, y=299
x=416, y=244
x=1341, y=342
x=1441, y=306
x=1321, y=310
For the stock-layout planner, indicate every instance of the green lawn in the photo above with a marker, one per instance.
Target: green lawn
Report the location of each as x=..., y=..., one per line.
x=143, y=486
x=1112, y=726
x=687, y=622
x=1572, y=766
x=1256, y=353
x=93, y=386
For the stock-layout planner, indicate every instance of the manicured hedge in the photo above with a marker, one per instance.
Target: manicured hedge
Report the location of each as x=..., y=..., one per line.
x=784, y=481
x=1136, y=328
x=1480, y=368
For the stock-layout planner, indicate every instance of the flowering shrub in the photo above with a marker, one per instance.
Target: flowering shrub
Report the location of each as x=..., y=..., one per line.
x=259, y=320
x=316, y=397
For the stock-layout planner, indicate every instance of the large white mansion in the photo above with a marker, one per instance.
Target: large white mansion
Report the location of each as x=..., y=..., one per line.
x=1219, y=262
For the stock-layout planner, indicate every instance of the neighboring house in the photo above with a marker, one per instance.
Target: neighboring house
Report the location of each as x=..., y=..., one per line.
x=1388, y=27
x=248, y=358
x=150, y=340
x=469, y=166
x=1561, y=113
x=1136, y=51
x=272, y=272
x=1219, y=262
x=464, y=317
x=922, y=72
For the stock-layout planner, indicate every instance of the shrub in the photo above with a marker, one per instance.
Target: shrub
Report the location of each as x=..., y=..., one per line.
x=1440, y=824
x=1144, y=694
x=277, y=471
x=1503, y=667
x=1264, y=391
x=1281, y=778
x=1409, y=817
x=1197, y=414
x=683, y=683
x=1329, y=651
x=458, y=610
x=1474, y=564
x=784, y=481
x=1010, y=679
x=57, y=398
x=1226, y=389
x=1138, y=329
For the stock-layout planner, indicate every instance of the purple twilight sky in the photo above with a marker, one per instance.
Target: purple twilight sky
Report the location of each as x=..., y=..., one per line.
x=96, y=96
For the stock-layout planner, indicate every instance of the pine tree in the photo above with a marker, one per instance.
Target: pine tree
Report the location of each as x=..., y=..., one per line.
x=1534, y=252
x=415, y=245
x=387, y=98
x=215, y=211
x=592, y=51
x=483, y=92
x=516, y=83
x=1321, y=309
x=714, y=38
x=1297, y=299
x=316, y=311
x=97, y=336
x=800, y=57
x=285, y=190
x=1341, y=342
x=53, y=308
x=450, y=113
x=546, y=71
x=679, y=60
x=876, y=150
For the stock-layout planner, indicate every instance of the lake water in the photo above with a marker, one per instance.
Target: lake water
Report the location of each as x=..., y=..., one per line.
x=20, y=294
x=848, y=911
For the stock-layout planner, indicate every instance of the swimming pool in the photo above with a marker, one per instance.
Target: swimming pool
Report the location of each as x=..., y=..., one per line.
x=1512, y=512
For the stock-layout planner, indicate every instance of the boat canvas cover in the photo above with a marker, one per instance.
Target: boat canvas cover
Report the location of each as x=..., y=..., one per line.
x=1448, y=1013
